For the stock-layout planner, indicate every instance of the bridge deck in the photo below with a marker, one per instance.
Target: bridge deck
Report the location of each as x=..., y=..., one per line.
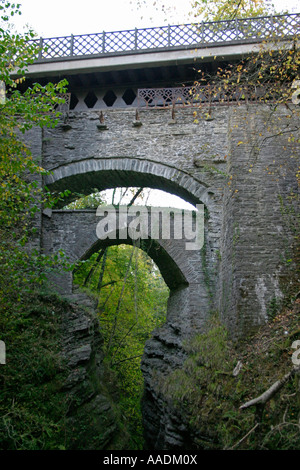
x=166, y=46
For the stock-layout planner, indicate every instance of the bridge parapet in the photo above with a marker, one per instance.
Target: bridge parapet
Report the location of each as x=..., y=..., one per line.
x=168, y=37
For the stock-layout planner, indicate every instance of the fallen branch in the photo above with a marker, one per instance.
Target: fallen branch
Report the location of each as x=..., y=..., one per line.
x=268, y=394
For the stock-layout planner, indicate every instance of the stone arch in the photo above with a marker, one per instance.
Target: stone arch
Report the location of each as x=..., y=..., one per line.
x=83, y=176
x=104, y=173
x=171, y=267
x=74, y=232
x=189, y=301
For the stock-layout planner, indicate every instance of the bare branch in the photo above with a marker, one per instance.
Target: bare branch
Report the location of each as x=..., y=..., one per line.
x=135, y=196
x=127, y=359
x=268, y=394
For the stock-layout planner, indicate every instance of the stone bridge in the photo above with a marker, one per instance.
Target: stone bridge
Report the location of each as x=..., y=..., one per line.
x=244, y=235
x=213, y=161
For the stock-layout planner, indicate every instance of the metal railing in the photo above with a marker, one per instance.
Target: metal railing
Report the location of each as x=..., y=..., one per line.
x=197, y=95
x=168, y=37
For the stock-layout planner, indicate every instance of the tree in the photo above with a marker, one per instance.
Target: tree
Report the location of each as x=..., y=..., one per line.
x=132, y=299
x=21, y=193
x=217, y=10
x=30, y=415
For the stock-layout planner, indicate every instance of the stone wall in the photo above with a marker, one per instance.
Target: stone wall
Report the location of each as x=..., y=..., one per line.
x=257, y=237
x=245, y=229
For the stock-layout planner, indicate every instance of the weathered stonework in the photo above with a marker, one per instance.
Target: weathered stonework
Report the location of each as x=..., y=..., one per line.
x=223, y=163
x=244, y=228
x=86, y=385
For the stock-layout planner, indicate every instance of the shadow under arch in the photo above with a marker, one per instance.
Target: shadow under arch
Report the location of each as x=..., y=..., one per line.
x=84, y=176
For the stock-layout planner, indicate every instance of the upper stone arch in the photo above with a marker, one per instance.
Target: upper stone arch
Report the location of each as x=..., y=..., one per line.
x=84, y=176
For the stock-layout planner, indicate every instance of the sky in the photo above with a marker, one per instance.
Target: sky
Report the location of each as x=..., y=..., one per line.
x=66, y=17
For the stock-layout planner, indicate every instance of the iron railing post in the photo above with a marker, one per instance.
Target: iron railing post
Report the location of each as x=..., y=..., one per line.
x=272, y=25
x=72, y=45
x=40, y=49
x=103, y=42
x=135, y=39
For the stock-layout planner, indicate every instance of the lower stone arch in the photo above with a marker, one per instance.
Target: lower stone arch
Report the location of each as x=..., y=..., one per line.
x=170, y=270
x=174, y=270
x=74, y=232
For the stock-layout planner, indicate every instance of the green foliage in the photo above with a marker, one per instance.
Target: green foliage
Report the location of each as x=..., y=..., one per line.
x=273, y=308
x=31, y=410
x=21, y=193
x=208, y=396
x=219, y=10
x=132, y=301
x=90, y=201
x=205, y=389
x=32, y=406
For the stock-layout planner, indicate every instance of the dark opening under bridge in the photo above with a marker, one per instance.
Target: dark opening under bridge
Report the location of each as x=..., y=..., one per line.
x=215, y=162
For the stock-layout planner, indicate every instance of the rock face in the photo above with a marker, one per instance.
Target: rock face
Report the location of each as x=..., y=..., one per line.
x=163, y=353
x=91, y=422
x=164, y=426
